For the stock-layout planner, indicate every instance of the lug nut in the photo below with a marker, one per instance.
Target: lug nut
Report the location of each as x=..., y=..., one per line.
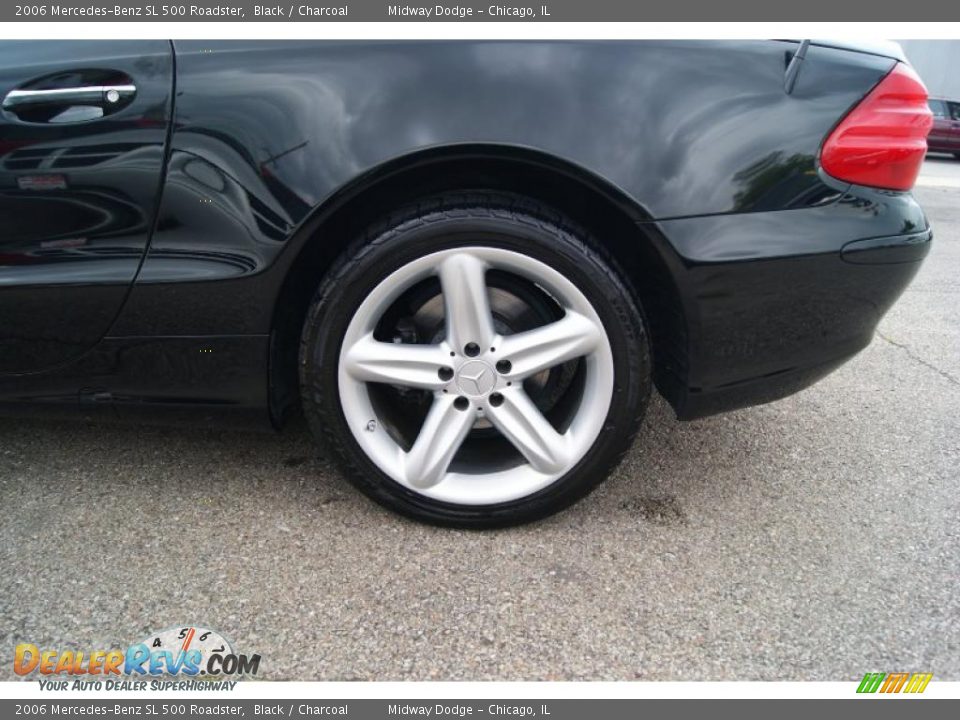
x=445, y=373
x=461, y=403
x=471, y=350
x=503, y=366
x=496, y=399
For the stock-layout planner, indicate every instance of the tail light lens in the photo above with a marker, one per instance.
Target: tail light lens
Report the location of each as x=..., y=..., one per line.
x=882, y=141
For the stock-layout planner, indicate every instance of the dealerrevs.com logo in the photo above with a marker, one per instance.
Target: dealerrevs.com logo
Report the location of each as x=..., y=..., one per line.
x=192, y=652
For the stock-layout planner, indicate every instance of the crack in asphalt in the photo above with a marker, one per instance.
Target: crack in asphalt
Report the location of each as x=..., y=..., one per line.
x=916, y=358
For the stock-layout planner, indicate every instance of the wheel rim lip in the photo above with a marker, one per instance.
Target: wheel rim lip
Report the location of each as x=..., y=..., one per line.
x=487, y=488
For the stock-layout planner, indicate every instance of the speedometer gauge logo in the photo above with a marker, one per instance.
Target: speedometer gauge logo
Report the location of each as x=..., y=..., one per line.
x=188, y=650
x=201, y=643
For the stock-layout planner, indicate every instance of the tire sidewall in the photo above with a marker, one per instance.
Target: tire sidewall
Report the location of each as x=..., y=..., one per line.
x=407, y=241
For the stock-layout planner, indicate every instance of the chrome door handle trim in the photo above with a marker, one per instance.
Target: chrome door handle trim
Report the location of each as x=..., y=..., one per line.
x=106, y=94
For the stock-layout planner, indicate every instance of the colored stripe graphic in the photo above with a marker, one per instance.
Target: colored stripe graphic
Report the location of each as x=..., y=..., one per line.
x=918, y=683
x=894, y=682
x=870, y=683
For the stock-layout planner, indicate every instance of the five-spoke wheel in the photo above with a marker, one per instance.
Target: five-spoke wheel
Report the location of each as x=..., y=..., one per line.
x=475, y=374
x=481, y=367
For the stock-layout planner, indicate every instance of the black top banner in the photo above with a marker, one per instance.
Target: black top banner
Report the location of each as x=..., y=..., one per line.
x=475, y=11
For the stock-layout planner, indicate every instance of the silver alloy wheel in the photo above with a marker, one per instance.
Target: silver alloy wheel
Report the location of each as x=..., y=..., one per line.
x=476, y=388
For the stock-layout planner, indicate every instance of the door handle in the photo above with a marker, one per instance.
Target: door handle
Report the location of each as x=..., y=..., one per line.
x=105, y=96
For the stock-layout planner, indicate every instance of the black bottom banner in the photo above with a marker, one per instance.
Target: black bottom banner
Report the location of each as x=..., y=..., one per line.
x=874, y=708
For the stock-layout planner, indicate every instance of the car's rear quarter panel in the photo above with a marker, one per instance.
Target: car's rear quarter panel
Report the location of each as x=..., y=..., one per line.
x=266, y=132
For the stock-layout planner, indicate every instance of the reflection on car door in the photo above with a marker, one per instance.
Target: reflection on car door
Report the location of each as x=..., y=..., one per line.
x=82, y=142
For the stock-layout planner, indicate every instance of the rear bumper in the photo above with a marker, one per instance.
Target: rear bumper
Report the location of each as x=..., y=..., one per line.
x=775, y=301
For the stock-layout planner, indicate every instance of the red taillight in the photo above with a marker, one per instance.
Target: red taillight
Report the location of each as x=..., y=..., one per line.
x=882, y=141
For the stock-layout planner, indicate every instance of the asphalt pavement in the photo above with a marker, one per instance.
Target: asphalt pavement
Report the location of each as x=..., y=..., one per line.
x=814, y=538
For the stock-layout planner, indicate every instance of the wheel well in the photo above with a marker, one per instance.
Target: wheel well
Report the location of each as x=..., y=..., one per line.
x=612, y=220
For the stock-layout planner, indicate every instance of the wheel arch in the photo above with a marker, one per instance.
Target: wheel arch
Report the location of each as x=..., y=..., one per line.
x=650, y=266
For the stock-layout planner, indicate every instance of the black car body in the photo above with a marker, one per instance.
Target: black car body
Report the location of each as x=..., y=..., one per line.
x=162, y=256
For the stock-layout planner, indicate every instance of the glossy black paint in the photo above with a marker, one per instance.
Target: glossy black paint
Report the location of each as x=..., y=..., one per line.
x=266, y=132
x=688, y=156
x=77, y=199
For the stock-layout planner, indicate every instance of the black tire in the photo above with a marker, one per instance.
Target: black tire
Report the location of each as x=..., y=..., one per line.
x=504, y=221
